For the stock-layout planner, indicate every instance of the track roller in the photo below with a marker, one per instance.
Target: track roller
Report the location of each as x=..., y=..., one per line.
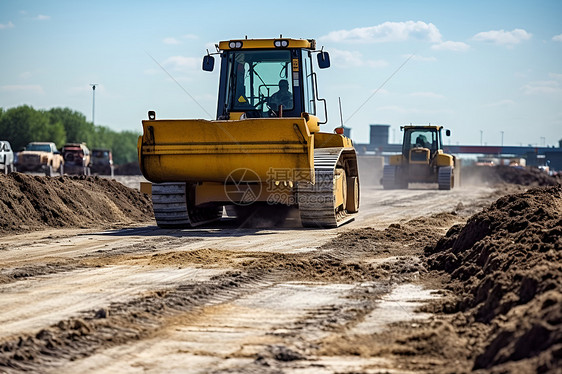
x=334, y=168
x=171, y=206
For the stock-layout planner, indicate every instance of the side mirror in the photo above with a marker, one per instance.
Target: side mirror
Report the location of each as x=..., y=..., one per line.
x=448, y=132
x=323, y=60
x=208, y=63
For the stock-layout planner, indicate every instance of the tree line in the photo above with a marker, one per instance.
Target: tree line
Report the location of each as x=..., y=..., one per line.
x=24, y=124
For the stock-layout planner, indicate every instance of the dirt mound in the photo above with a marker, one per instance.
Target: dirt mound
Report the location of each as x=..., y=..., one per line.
x=398, y=238
x=505, y=266
x=35, y=202
x=302, y=266
x=507, y=174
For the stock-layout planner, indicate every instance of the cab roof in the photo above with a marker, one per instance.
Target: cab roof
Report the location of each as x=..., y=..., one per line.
x=278, y=43
x=410, y=127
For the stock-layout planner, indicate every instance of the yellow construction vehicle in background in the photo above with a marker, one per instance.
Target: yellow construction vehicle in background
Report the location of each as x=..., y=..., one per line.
x=422, y=160
x=265, y=146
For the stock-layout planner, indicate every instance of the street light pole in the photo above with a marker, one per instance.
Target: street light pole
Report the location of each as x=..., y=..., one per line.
x=502, y=138
x=93, y=100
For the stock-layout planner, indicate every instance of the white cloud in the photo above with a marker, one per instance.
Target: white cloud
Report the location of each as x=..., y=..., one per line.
x=451, y=46
x=181, y=63
x=8, y=25
x=42, y=17
x=542, y=87
x=503, y=37
x=557, y=38
x=171, y=41
x=545, y=87
x=387, y=32
x=25, y=75
x=429, y=95
x=353, y=59
x=31, y=88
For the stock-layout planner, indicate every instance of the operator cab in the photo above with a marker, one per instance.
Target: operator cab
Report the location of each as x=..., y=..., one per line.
x=428, y=137
x=262, y=78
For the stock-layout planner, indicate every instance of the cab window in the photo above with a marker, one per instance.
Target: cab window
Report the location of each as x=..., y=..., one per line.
x=255, y=78
x=308, y=85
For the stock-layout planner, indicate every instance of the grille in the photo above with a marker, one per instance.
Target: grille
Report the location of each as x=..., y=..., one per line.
x=418, y=156
x=30, y=158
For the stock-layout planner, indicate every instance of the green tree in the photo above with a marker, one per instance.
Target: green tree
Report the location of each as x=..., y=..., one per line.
x=125, y=147
x=103, y=137
x=55, y=133
x=77, y=129
x=24, y=124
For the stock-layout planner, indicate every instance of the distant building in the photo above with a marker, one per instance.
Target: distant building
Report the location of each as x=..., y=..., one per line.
x=379, y=135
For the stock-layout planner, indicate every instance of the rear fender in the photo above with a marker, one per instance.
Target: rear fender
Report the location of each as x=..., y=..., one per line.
x=443, y=159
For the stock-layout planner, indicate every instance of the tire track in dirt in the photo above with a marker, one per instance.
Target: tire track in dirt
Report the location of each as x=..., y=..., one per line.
x=60, y=261
x=81, y=336
x=120, y=323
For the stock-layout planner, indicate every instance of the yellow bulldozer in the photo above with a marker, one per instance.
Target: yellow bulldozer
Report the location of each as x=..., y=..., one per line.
x=264, y=148
x=422, y=160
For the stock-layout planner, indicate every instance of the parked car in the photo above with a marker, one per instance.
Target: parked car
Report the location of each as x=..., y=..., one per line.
x=6, y=157
x=76, y=158
x=40, y=157
x=102, y=162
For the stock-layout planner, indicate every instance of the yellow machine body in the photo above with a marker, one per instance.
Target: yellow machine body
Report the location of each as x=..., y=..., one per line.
x=201, y=150
x=255, y=151
x=422, y=160
x=443, y=159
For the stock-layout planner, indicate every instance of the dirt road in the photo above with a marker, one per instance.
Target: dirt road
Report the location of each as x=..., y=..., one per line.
x=219, y=298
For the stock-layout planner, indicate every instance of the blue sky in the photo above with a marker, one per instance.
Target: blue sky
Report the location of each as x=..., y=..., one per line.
x=478, y=67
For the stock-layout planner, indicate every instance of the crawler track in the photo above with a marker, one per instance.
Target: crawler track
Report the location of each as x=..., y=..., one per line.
x=172, y=207
x=317, y=202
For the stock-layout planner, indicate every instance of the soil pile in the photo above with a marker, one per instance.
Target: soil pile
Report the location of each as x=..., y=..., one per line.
x=398, y=238
x=507, y=174
x=505, y=268
x=35, y=202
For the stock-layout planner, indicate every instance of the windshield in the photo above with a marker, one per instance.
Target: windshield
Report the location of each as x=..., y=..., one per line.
x=38, y=147
x=100, y=154
x=424, y=138
x=259, y=80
